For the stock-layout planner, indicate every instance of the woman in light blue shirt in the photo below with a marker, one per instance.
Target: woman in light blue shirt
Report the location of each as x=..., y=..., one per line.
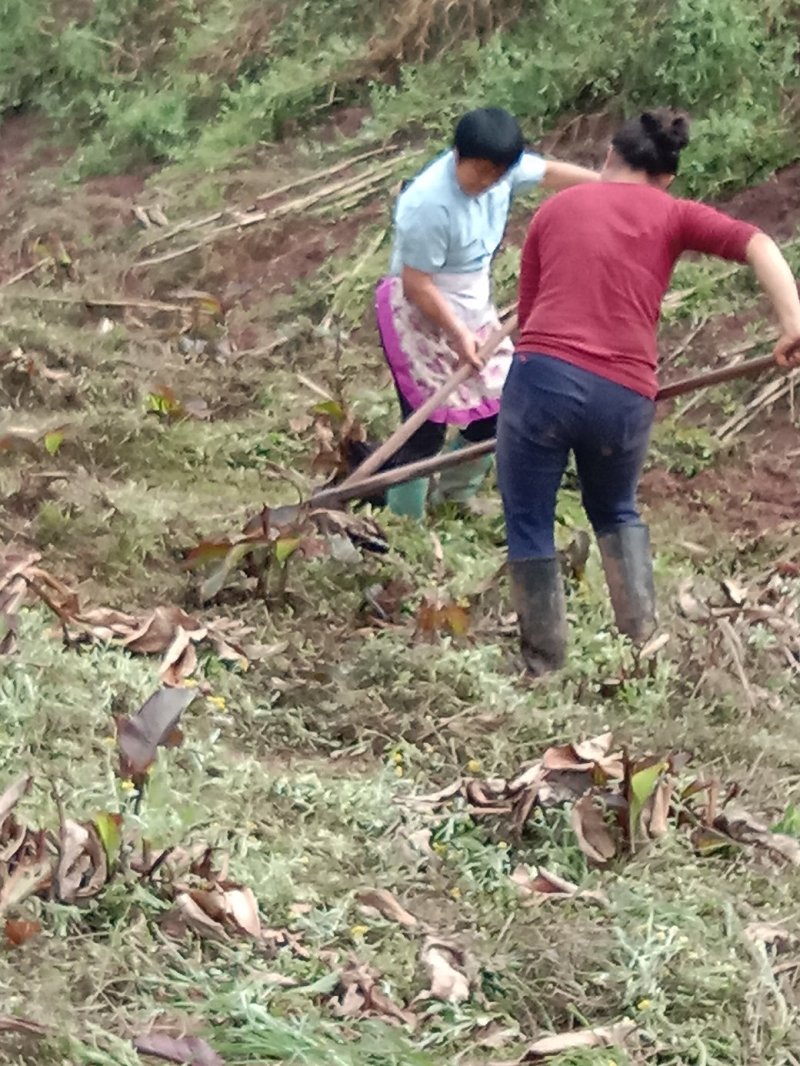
x=435, y=306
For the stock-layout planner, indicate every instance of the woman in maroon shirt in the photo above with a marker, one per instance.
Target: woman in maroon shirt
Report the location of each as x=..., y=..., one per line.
x=595, y=266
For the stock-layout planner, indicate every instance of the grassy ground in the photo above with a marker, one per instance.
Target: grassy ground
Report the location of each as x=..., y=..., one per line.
x=302, y=768
x=299, y=769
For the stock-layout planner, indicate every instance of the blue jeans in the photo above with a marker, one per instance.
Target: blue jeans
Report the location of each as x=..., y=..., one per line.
x=551, y=408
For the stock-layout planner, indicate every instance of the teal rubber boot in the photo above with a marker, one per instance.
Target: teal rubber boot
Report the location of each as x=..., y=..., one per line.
x=460, y=483
x=408, y=499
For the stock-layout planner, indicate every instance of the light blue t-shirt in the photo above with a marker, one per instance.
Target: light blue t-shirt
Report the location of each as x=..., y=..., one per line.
x=439, y=229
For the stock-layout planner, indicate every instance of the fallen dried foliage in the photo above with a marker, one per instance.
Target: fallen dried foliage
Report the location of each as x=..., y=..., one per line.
x=168, y=630
x=617, y=806
x=772, y=602
x=621, y=1034
x=275, y=535
x=358, y=995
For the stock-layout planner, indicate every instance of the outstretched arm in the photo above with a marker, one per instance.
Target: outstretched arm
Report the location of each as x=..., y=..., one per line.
x=704, y=229
x=776, y=279
x=534, y=170
x=560, y=175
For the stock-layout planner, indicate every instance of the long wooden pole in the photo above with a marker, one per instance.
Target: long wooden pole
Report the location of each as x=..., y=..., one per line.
x=750, y=368
x=425, y=467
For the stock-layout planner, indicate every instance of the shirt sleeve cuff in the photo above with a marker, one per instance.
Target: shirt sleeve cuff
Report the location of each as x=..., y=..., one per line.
x=528, y=172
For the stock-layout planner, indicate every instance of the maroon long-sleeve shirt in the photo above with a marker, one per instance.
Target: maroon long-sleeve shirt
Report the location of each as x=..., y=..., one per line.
x=596, y=263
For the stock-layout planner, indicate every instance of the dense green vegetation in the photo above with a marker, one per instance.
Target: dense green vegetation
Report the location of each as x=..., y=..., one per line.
x=196, y=81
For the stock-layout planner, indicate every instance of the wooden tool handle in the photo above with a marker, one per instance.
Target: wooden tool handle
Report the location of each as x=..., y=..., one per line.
x=750, y=368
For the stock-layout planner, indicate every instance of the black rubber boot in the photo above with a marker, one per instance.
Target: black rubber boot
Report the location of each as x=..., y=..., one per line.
x=628, y=564
x=537, y=594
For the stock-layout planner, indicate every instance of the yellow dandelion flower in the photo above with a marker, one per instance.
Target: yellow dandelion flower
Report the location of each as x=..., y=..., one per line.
x=218, y=701
x=190, y=682
x=473, y=766
x=644, y=1004
x=397, y=757
x=127, y=786
x=358, y=931
x=455, y=892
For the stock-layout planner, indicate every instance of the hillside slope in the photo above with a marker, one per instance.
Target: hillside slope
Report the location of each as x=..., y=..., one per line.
x=195, y=198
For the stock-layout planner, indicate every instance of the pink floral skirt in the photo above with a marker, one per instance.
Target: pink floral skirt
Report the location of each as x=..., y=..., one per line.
x=421, y=360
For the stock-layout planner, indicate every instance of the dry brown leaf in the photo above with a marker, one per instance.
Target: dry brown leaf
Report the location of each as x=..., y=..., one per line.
x=541, y=882
x=496, y=1035
x=595, y=749
x=188, y=1050
x=743, y=828
x=12, y=795
x=12, y=837
x=654, y=646
x=435, y=799
x=30, y=875
x=8, y=629
x=83, y=868
x=359, y=995
x=19, y=931
x=74, y=861
x=563, y=757
x=434, y=615
x=382, y=901
x=447, y=982
x=594, y=836
x=180, y=658
x=139, y=737
x=531, y=775
x=241, y=907
x=155, y=633
x=189, y=915
x=771, y=936
x=603, y=1036
x=284, y=938
x=658, y=808
x=13, y=563
x=540, y=885
x=297, y=910
x=12, y=595
x=736, y=593
x=690, y=606
x=587, y=755
x=105, y=623
x=14, y=567
x=22, y=441
x=211, y=901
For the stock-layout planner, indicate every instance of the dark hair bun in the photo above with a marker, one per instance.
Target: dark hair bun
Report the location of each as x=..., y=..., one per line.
x=669, y=131
x=653, y=141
